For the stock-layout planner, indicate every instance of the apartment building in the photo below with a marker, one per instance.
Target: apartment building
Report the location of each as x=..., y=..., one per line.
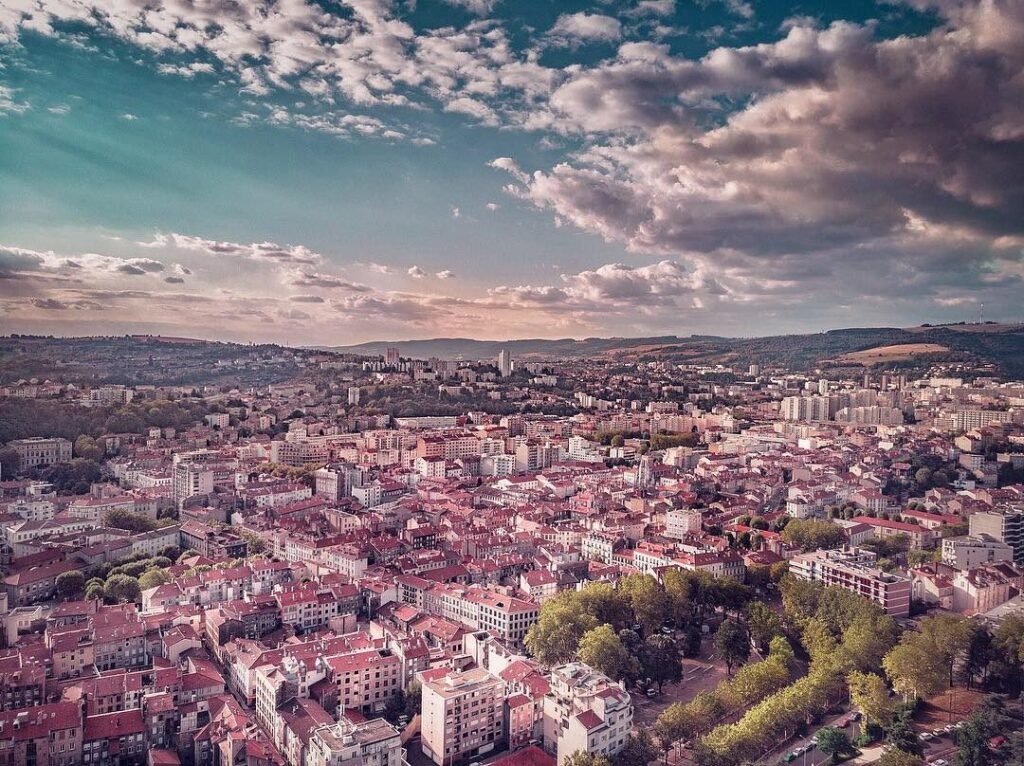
x=40, y=451
x=1005, y=525
x=585, y=710
x=462, y=715
x=854, y=570
x=967, y=552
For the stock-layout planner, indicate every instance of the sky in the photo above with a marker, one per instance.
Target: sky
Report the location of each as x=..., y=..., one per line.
x=348, y=170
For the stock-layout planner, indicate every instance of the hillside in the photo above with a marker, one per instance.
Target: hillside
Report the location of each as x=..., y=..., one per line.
x=1001, y=345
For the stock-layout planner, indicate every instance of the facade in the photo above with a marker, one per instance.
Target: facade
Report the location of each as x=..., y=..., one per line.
x=1005, y=525
x=462, y=716
x=40, y=451
x=966, y=552
x=853, y=569
x=585, y=710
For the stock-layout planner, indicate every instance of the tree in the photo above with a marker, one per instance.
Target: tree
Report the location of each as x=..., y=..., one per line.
x=253, y=542
x=95, y=590
x=813, y=534
x=981, y=651
x=122, y=587
x=70, y=585
x=896, y=757
x=606, y=605
x=132, y=521
x=556, y=635
x=602, y=650
x=151, y=578
x=87, y=448
x=10, y=462
x=763, y=623
x=913, y=670
x=732, y=643
x=833, y=741
x=799, y=597
x=870, y=694
x=659, y=660
x=648, y=601
x=639, y=750
x=583, y=758
x=901, y=735
x=413, y=699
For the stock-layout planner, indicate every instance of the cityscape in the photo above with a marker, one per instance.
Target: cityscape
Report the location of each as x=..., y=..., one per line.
x=494, y=383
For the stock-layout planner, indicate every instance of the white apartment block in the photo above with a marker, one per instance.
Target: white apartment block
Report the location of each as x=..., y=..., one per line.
x=462, y=716
x=680, y=523
x=585, y=710
x=853, y=569
x=966, y=552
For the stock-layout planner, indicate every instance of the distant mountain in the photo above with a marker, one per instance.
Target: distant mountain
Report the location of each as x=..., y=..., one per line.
x=1000, y=345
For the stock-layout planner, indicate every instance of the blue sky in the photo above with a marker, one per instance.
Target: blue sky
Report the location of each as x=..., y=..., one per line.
x=347, y=171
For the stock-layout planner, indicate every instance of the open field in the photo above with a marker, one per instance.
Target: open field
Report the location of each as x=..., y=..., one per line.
x=896, y=353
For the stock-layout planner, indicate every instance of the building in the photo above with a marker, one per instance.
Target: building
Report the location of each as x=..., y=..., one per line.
x=462, y=715
x=680, y=523
x=504, y=363
x=367, y=743
x=966, y=552
x=585, y=710
x=854, y=570
x=190, y=480
x=39, y=451
x=1005, y=525
x=353, y=395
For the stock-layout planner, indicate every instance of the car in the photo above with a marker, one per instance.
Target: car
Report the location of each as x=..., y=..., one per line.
x=856, y=715
x=813, y=741
x=926, y=736
x=652, y=692
x=949, y=728
x=790, y=757
x=940, y=762
x=938, y=732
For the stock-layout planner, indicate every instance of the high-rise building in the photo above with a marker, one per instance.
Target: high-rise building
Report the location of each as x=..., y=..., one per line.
x=353, y=395
x=504, y=363
x=585, y=711
x=391, y=357
x=462, y=715
x=1005, y=525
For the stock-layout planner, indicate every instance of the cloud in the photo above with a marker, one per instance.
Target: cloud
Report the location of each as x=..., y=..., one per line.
x=59, y=109
x=492, y=206
x=129, y=117
x=446, y=274
x=416, y=272
x=138, y=266
x=572, y=29
x=257, y=251
x=456, y=213
x=49, y=304
x=326, y=281
x=478, y=7
x=306, y=299
x=8, y=104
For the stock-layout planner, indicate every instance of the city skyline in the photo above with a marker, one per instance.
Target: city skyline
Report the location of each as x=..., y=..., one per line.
x=376, y=170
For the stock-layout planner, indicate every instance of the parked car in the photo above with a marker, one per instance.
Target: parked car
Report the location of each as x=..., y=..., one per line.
x=926, y=736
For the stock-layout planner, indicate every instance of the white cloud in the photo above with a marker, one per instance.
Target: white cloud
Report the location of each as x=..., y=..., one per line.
x=492, y=206
x=446, y=274
x=456, y=213
x=416, y=272
x=576, y=28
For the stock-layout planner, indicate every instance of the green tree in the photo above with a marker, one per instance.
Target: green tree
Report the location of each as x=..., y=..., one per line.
x=122, y=587
x=763, y=623
x=94, y=591
x=556, y=635
x=87, y=448
x=583, y=758
x=151, y=578
x=914, y=671
x=70, y=585
x=413, y=699
x=981, y=652
x=601, y=648
x=732, y=643
x=901, y=735
x=896, y=757
x=799, y=597
x=639, y=750
x=870, y=694
x=606, y=605
x=660, y=661
x=10, y=462
x=132, y=521
x=813, y=534
x=833, y=741
x=648, y=601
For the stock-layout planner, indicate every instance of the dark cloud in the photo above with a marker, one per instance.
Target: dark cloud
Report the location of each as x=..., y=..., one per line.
x=306, y=299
